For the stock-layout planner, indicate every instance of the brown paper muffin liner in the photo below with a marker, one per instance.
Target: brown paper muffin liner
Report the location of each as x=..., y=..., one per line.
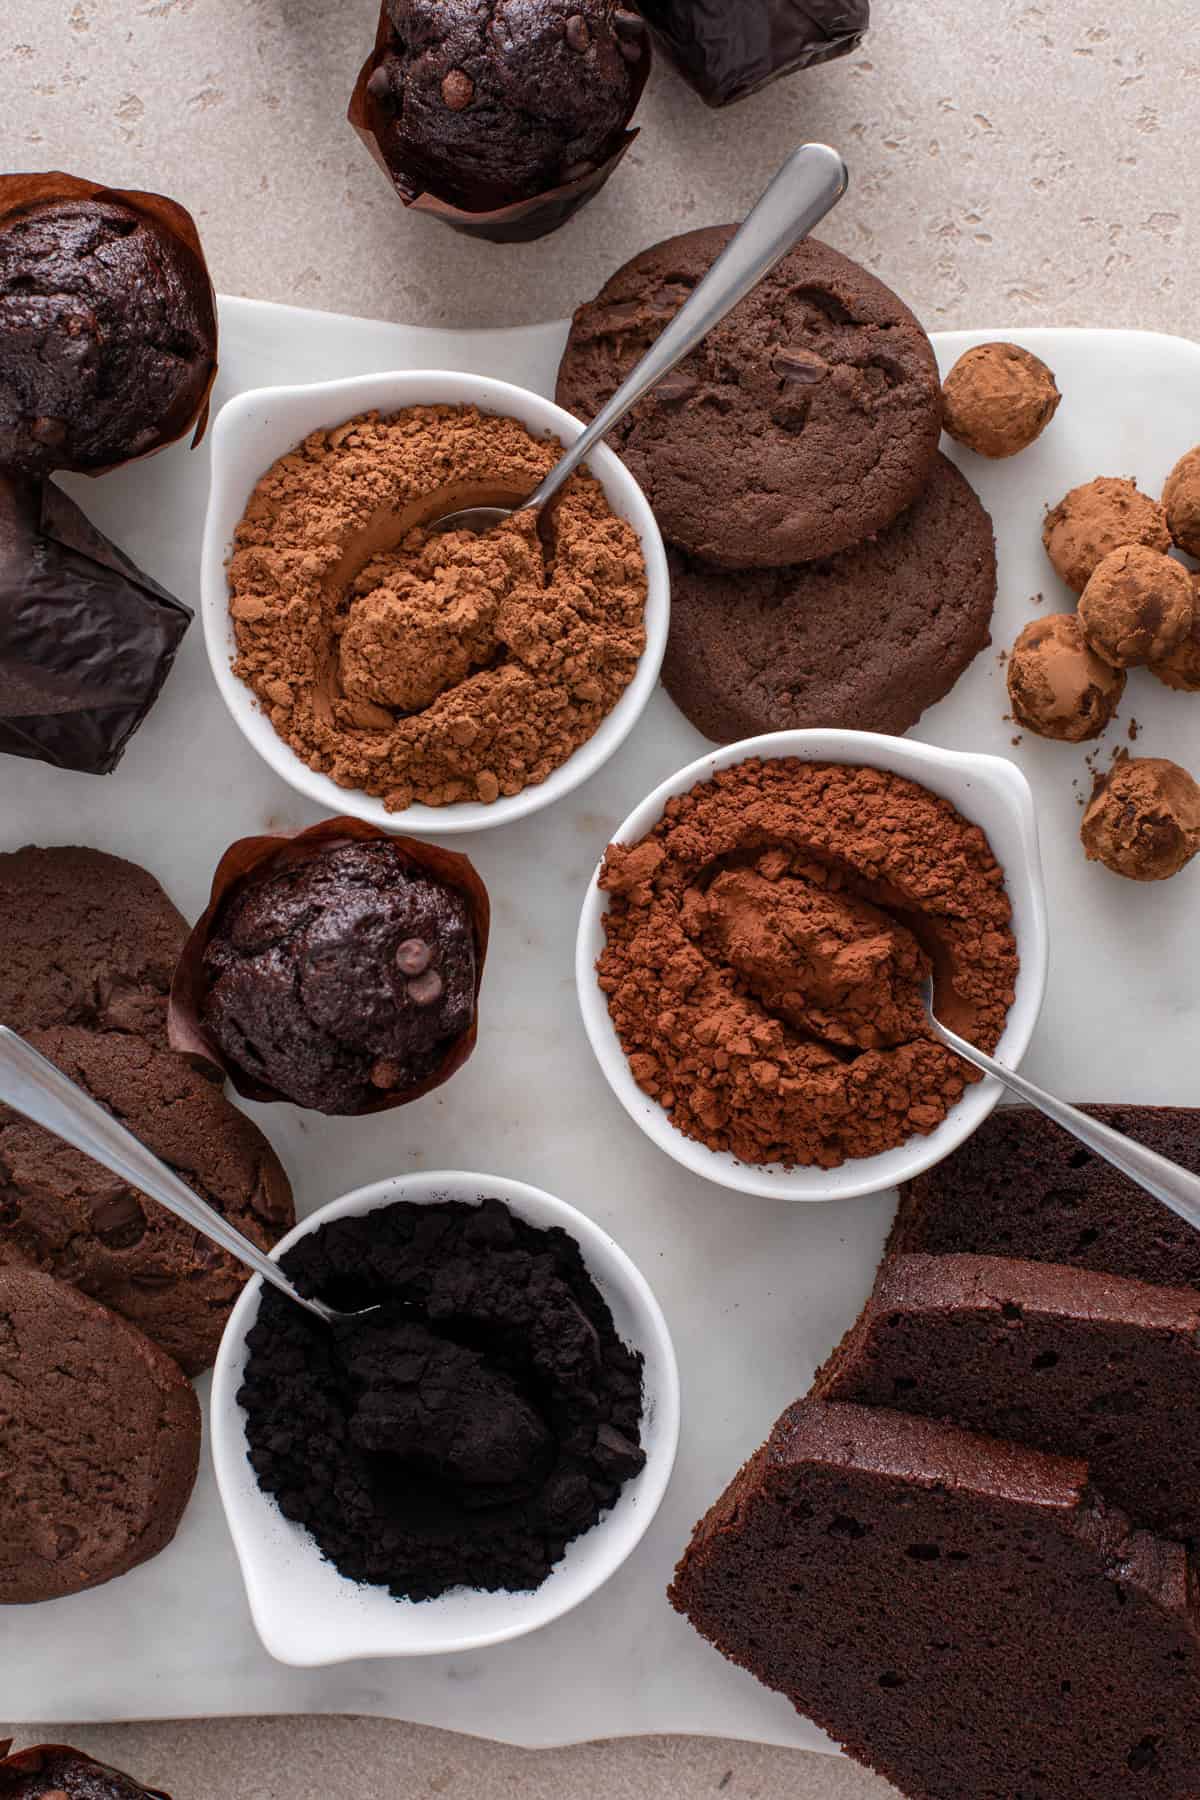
x=519, y=223
x=255, y=857
x=33, y=1762
x=20, y=192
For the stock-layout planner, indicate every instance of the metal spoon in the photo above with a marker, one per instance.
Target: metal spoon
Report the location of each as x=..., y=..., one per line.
x=33, y=1086
x=810, y=183
x=1169, y=1182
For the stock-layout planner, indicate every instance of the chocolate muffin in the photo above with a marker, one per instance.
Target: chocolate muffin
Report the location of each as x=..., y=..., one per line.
x=63, y=1214
x=101, y=1438
x=89, y=939
x=56, y=1772
x=499, y=103
x=806, y=422
x=341, y=976
x=107, y=334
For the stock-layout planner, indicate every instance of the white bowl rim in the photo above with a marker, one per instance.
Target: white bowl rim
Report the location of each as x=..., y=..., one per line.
x=610, y=1266
x=390, y=391
x=919, y=762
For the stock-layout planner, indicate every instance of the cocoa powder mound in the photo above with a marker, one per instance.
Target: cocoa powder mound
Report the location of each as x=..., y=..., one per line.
x=432, y=668
x=765, y=947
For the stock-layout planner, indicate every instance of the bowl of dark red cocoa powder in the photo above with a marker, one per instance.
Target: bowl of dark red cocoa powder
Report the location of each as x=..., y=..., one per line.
x=752, y=947
x=464, y=1465
x=428, y=683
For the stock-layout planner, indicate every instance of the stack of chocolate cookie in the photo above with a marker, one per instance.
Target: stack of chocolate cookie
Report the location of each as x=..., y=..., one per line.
x=829, y=566
x=107, y=1302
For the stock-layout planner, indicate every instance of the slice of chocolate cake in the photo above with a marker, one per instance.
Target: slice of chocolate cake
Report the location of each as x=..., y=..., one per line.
x=1065, y=1360
x=967, y=1618
x=1022, y=1187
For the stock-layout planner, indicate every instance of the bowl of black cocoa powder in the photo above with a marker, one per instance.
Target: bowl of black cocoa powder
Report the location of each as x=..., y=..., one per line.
x=466, y=1463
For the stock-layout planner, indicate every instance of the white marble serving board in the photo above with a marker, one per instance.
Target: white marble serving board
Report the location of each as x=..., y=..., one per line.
x=755, y=1292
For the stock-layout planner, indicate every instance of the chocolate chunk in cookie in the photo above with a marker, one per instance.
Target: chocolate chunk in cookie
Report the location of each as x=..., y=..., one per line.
x=89, y=939
x=864, y=641
x=101, y=1441
x=805, y=423
x=61, y=1213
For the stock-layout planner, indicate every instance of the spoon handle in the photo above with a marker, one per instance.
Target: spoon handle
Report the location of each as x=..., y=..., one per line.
x=810, y=183
x=1169, y=1182
x=33, y=1086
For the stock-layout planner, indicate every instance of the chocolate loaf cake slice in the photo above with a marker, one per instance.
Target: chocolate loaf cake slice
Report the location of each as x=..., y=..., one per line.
x=1022, y=1187
x=1065, y=1360
x=967, y=1618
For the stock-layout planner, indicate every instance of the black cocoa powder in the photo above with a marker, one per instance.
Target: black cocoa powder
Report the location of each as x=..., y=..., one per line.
x=464, y=1434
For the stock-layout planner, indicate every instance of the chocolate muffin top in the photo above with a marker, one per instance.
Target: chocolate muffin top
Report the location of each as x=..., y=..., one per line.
x=49, y=1770
x=341, y=977
x=107, y=335
x=500, y=100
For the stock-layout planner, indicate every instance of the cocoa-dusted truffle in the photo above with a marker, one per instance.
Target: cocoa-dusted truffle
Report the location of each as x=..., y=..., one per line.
x=1181, y=497
x=1057, y=684
x=497, y=104
x=1144, y=819
x=1096, y=519
x=341, y=976
x=108, y=326
x=1137, y=606
x=1181, y=667
x=999, y=399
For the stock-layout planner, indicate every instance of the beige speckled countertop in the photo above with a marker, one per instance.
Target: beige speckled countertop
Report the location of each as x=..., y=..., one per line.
x=1015, y=162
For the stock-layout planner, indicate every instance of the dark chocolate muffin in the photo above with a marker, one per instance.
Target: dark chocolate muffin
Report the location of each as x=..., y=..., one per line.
x=107, y=335
x=56, y=1772
x=497, y=101
x=340, y=977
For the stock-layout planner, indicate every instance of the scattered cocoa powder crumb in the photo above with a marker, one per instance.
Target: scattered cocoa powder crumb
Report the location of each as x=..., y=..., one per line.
x=432, y=668
x=764, y=948
x=1134, y=728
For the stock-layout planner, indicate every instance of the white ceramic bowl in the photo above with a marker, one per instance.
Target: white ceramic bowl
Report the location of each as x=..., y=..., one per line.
x=256, y=427
x=989, y=791
x=307, y=1614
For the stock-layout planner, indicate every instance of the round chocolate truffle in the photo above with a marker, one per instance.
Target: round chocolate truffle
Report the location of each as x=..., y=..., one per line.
x=1143, y=820
x=107, y=335
x=340, y=977
x=999, y=399
x=496, y=104
x=1181, y=497
x=1137, y=607
x=1057, y=685
x=1181, y=668
x=1096, y=519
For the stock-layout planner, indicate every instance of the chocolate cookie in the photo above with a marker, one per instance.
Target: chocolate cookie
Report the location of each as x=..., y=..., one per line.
x=101, y=1438
x=61, y=1213
x=804, y=423
x=863, y=641
x=89, y=939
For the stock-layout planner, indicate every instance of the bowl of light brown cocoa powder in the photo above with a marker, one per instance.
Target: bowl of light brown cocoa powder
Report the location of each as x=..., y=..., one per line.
x=752, y=948
x=428, y=683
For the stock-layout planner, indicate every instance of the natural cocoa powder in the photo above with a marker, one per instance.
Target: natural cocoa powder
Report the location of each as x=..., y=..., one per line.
x=432, y=668
x=765, y=946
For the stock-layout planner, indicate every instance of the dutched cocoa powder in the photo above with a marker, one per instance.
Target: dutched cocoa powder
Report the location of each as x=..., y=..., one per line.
x=464, y=1435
